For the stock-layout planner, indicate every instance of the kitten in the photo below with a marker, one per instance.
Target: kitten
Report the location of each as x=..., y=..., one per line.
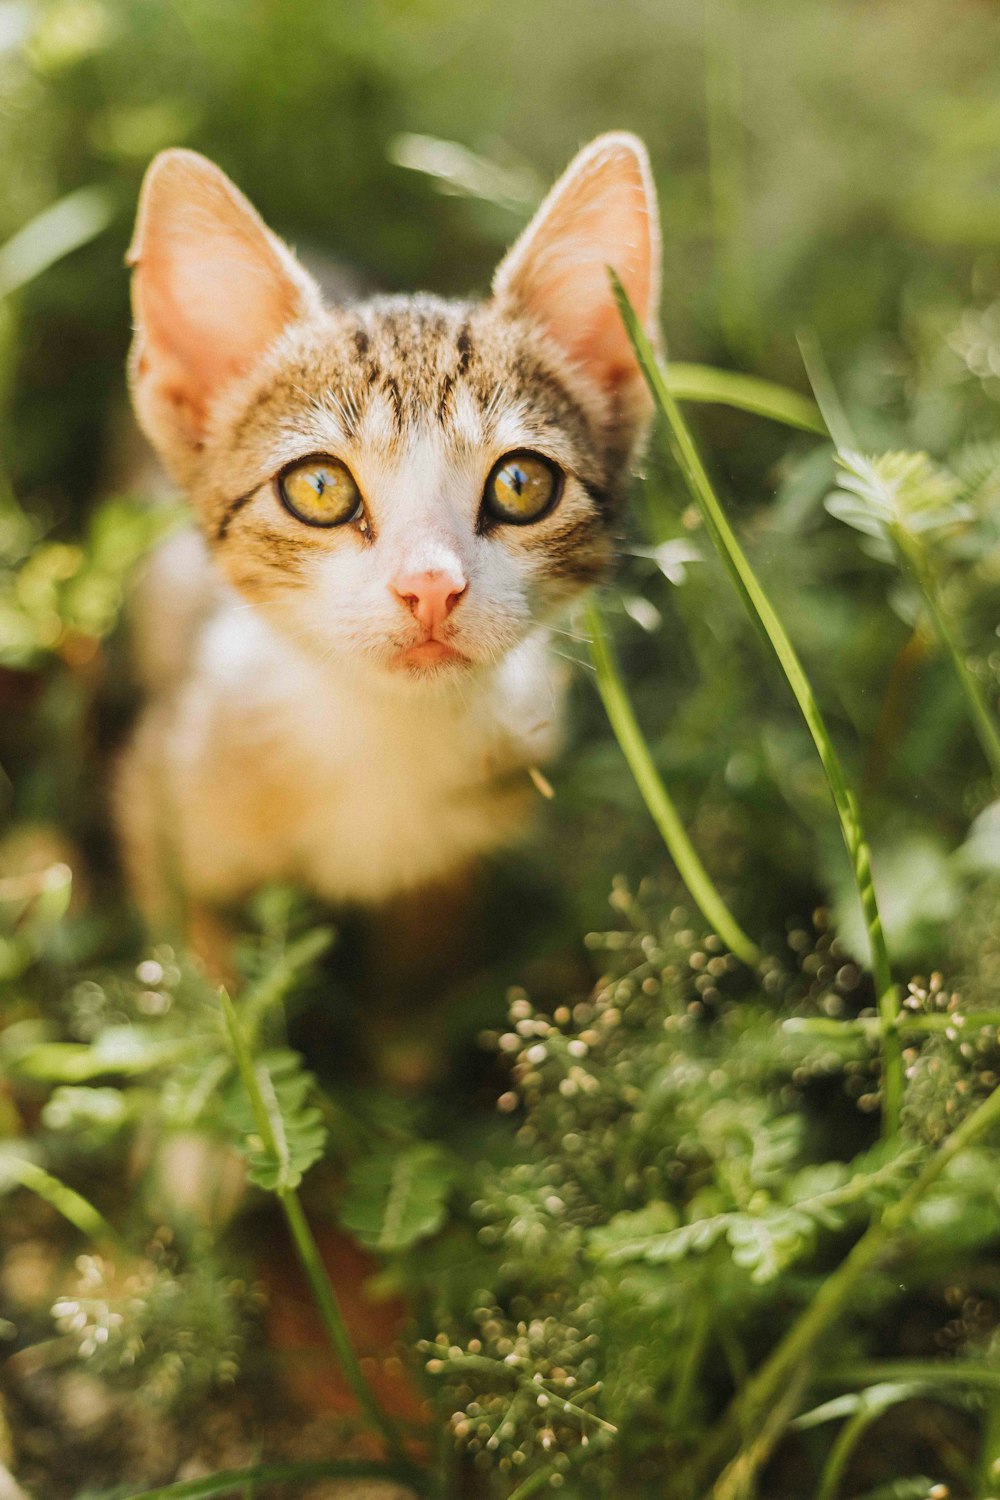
x=348, y=661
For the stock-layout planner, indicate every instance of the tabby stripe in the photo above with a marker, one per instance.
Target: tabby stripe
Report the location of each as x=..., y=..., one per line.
x=231, y=511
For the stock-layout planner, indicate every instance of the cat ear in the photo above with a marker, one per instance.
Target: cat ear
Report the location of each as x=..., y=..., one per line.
x=602, y=212
x=212, y=288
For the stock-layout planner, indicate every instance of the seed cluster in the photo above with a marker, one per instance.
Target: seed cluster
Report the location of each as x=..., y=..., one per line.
x=181, y=1330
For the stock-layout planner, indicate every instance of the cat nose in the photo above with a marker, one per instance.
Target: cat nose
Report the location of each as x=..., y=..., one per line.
x=430, y=597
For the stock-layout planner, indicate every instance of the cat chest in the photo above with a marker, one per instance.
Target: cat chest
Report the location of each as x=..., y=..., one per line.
x=398, y=805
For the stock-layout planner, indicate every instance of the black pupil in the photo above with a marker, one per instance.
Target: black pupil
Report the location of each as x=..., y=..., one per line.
x=518, y=479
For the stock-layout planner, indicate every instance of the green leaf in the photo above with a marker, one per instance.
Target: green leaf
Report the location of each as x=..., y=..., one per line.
x=62, y=227
x=296, y=1138
x=395, y=1199
x=772, y=631
x=95, y=1112
x=632, y=1227
x=229, y=1481
x=125, y=1050
x=17, y=1169
x=905, y=490
x=747, y=393
x=875, y=1398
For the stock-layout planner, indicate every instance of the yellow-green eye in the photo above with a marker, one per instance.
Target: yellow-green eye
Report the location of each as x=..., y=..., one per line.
x=320, y=491
x=522, y=488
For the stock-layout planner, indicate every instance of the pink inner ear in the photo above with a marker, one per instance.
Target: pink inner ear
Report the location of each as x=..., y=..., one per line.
x=210, y=310
x=212, y=287
x=600, y=215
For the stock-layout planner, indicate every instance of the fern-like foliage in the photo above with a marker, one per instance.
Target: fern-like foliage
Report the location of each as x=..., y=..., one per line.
x=777, y=1233
x=894, y=492
x=278, y=1157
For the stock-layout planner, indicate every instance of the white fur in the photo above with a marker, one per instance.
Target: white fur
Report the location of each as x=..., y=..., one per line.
x=373, y=790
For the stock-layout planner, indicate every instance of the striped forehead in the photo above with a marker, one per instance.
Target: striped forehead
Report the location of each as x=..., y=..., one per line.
x=382, y=380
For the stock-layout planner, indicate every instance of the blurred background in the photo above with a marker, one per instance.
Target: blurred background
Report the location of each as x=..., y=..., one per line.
x=830, y=165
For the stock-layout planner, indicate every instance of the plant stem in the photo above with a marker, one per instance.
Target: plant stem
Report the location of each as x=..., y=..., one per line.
x=842, y=1448
x=484, y=1365
x=835, y=418
x=656, y=797
x=912, y=557
x=746, y=1409
x=697, y=1346
x=908, y=1024
x=930, y=1372
x=308, y=1252
x=229, y=1480
x=542, y=1478
x=988, y=1477
x=774, y=635
x=333, y=1322
x=65, y=1200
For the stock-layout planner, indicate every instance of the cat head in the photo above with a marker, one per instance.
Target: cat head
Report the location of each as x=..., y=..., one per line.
x=408, y=484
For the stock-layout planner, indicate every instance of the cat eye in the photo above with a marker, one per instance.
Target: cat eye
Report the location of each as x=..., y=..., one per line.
x=320, y=492
x=522, y=488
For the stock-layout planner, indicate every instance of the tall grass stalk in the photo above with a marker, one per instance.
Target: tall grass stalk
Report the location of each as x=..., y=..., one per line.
x=656, y=797
x=58, y=230
x=312, y=1263
x=911, y=555
x=775, y=637
x=750, y=1407
x=908, y=546
x=228, y=1481
x=65, y=1200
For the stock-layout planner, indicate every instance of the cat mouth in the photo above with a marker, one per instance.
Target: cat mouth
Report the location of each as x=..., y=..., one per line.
x=428, y=654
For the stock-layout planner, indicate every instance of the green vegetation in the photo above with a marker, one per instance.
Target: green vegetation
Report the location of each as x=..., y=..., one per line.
x=733, y=1228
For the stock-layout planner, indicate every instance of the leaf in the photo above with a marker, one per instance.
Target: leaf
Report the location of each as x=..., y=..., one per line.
x=875, y=1398
x=98, y=1112
x=904, y=490
x=125, y=1050
x=281, y=977
x=631, y=1227
x=17, y=1169
x=62, y=227
x=767, y=1242
x=295, y=1139
x=397, y=1198
x=675, y=1244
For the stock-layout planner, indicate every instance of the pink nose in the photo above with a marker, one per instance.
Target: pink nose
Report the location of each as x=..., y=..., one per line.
x=430, y=597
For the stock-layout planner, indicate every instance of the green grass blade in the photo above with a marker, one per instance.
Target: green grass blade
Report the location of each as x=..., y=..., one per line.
x=308, y=1251
x=915, y=565
x=773, y=633
x=911, y=554
x=62, y=227
x=81, y=1214
x=656, y=797
x=228, y=1481
x=799, y=1344
x=932, y=1372
x=764, y=398
x=835, y=418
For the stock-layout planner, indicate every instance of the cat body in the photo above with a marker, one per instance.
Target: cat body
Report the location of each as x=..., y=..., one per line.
x=264, y=764
x=349, y=667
